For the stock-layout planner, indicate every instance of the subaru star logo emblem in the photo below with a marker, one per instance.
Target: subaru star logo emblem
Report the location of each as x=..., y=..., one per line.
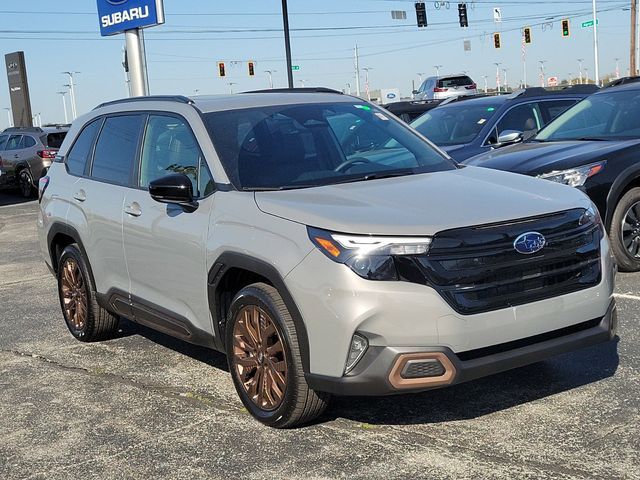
x=529, y=242
x=117, y=2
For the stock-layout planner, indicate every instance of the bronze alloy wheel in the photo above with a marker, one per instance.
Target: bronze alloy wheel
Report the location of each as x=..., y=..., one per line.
x=259, y=357
x=74, y=295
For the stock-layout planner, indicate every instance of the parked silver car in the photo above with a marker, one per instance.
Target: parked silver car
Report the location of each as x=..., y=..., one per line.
x=25, y=155
x=439, y=88
x=322, y=244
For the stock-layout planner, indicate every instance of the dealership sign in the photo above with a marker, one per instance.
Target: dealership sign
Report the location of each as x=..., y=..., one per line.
x=117, y=16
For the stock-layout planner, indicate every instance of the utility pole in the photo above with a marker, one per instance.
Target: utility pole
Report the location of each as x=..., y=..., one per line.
x=64, y=105
x=357, y=68
x=595, y=43
x=287, y=42
x=366, y=82
x=632, y=53
x=72, y=94
x=270, y=73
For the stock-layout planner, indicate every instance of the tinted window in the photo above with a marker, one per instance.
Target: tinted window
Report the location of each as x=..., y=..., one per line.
x=116, y=149
x=79, y=154
x=613, y=114
x=554, y=108
x=523, y=118
x=450, y=82
x=13, y=143
x=3, y=141
x=170, y=147
x=27, y=141
x=53, y=140
x=294, y=146
x=456, y=124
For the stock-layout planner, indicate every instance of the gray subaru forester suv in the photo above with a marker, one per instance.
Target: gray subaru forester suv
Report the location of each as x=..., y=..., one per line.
x=322, y=244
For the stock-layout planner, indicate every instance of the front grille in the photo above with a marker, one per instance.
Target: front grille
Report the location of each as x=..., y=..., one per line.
x=477, y=269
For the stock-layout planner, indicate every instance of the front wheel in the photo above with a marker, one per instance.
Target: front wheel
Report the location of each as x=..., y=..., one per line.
x=265, y=362
x=625, y=231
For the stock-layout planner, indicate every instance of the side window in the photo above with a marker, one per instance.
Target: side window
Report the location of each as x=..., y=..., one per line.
x=79, y=154
x=523, y=118
x=13, y=143
x=170, y=147
x=3, y=141
x=116, y=149
x=27, y=142
x=554, y=108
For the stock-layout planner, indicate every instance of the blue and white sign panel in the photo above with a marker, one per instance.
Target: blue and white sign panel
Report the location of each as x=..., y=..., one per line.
x=116, y=16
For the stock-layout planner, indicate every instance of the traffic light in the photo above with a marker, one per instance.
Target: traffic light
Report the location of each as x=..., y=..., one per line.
x=565, y=27
x=221, y=70
x=496, y=40
x=527, y=35
x=421, y=14
x=252, y=70
x=462, y=15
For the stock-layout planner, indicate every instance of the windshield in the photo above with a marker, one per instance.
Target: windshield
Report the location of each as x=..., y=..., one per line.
x=454, y=125
x=295, y=146
x=611, y=115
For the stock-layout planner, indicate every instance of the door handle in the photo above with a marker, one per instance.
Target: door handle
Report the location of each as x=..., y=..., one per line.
x=16, y=156
x=133, y=209
x=80, y=196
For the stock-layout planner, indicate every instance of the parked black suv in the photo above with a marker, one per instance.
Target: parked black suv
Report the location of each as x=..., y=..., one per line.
x=594, y=146
x=468, y=126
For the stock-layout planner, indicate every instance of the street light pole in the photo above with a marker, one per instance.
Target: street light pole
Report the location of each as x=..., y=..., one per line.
x=506, y=84
x=595, y=43
x=287, y=42
x=366, y=82
x=580, y=60
x=64, y=105
x=9, y=116
x=486, y=86
x=617, y=67
x=356, y=65
x=437, y=67
x=231, y=84
x=270, y=73
x=420, y=77
x=542, y=79
x=497, y=64
x=72, y=95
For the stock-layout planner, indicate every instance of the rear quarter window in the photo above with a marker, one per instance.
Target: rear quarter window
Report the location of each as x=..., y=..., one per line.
x=78, y=156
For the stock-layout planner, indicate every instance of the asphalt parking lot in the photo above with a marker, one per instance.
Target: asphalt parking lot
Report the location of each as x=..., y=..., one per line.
x=146, y=406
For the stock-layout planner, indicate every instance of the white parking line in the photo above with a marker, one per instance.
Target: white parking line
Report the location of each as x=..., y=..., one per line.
x=627, y=296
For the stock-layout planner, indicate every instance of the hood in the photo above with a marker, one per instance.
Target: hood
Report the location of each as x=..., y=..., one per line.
x=421, y=204
x=534, y=158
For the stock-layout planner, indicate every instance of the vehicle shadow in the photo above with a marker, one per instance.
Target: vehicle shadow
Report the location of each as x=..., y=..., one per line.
x=10, y=197
x=201, y=354
x=486, y=395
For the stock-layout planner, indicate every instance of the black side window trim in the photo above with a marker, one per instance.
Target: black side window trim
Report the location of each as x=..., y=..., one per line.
x=202, y=161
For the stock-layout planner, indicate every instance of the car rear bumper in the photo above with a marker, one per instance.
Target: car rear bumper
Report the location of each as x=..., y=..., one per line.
x=393, y=370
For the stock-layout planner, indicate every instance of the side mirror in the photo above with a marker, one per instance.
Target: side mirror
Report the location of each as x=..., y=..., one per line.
x=507, y=137
x=175, y=188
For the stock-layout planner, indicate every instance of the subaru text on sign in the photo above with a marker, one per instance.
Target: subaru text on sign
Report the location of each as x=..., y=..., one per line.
x=116, y=16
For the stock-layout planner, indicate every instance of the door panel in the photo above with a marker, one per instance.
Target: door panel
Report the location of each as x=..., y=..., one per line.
x=165, y=244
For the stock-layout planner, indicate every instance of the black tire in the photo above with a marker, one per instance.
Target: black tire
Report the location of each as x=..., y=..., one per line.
x=25, y=183
x=97, y=323
x=626, y=261
x=299, y=404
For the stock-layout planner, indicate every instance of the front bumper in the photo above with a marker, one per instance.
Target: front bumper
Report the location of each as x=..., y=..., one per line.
x=379, y=371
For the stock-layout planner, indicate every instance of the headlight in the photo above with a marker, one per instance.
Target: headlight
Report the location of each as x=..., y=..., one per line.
x=370, y=257
x=591, y=216
x=574, y=177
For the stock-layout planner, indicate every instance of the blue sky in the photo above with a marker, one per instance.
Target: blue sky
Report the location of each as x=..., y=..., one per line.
x=61, y=35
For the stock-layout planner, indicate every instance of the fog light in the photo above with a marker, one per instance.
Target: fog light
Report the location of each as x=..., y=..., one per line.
x=358, y=346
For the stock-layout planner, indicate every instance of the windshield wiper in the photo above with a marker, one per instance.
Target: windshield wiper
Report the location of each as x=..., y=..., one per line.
x=378, y=175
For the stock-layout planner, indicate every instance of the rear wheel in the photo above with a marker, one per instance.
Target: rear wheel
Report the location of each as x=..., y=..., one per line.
x=25, y=183
x=265, y=362
x=86, y=320
x=625, y=231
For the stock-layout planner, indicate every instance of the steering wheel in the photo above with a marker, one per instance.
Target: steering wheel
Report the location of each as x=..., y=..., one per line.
x=344, y=166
